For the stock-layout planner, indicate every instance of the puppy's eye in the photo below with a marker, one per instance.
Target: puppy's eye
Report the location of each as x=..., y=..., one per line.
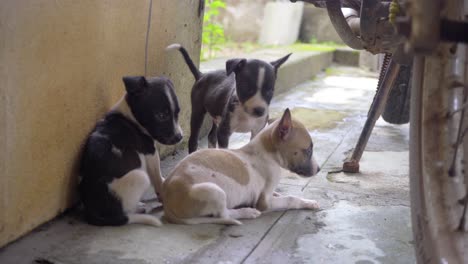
x=308, y=151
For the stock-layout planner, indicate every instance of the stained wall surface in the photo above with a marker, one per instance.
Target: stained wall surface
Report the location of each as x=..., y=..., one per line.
x=61, y=68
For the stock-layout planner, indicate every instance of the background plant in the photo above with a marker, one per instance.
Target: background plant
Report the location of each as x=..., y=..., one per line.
x=213, y=31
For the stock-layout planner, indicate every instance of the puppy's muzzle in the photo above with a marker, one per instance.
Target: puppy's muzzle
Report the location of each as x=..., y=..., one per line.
x=258, y=111
x=307, y=170
x=175, y=139
x=304, y=171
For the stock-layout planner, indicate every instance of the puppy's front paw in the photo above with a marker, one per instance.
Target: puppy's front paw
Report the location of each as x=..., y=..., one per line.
x=249, y=213
x=277, y=194
x=311, y=204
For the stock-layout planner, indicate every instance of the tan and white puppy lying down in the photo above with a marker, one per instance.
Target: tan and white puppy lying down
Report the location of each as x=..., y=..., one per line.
x=220, y=185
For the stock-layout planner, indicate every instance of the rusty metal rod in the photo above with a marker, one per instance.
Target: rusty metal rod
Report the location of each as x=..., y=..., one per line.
x=352, y=164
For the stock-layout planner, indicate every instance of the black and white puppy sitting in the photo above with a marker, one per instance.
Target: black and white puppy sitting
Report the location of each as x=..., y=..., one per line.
x=237, y=103
x=120, y=160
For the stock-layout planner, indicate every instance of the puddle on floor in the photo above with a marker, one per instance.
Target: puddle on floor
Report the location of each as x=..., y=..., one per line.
x=313, y=118
x=349, y=93
x=338, y=96
x=352, y=234
x=348, y=82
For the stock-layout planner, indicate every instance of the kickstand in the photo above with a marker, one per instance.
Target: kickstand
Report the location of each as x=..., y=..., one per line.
x=351, y=165
x=464, y=201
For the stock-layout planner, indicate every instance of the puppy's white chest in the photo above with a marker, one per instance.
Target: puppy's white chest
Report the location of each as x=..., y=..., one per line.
x=242, y=122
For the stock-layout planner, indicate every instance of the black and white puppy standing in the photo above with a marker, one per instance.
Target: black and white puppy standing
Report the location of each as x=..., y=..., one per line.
x=237, y=103
x=120, y=160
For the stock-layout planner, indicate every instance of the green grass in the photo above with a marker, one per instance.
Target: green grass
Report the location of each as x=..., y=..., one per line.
x=234, y=48
x=245, y=46
x=231, y=48
x=297, y=47
x=329, y=71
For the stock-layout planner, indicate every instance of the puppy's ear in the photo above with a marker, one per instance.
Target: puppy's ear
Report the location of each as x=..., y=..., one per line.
x=233, y=65
x=168, y=81
x=135, y=84
x=285, y=125
x=277, y=63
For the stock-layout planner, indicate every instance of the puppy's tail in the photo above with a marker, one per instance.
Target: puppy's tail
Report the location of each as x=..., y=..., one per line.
x=144, y=219
x=196, y=73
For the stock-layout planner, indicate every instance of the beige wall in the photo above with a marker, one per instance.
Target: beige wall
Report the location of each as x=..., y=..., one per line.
x=181, y=29
x=61, y=64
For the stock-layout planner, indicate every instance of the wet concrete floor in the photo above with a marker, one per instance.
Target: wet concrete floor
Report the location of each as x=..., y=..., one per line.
x=365, y=217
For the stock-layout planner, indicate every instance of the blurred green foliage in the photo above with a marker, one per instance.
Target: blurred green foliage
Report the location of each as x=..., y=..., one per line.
x=213, y=32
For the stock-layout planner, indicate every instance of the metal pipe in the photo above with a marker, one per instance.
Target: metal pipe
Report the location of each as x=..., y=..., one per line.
x=353, y=19
x=425, y=24
x=417, y=194
x=341, y=25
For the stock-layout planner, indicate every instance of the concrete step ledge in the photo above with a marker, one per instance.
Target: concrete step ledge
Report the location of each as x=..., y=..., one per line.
x=300, y=67
x=303, y=65
x=346, y=56
x=357, y=58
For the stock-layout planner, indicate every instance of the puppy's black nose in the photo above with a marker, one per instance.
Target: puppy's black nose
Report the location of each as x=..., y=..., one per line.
x=178, y=137
x=258, y=111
